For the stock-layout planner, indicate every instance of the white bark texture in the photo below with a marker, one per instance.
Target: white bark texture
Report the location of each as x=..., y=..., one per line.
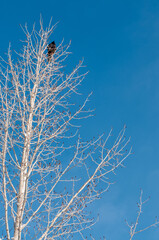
x=48, y=174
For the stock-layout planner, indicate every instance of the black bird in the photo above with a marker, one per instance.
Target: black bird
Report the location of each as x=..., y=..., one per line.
x=51, y=50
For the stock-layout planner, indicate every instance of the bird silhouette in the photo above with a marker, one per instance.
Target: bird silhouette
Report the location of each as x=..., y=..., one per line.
x=51, y=50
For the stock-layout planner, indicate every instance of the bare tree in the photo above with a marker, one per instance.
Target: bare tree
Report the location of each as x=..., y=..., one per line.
x=134, y=227
x=48, y=173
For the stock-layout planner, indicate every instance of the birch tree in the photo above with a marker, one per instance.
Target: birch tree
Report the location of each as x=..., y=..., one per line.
x=49, y=175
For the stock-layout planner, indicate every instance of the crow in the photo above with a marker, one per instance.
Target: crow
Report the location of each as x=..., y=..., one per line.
x=51, y=50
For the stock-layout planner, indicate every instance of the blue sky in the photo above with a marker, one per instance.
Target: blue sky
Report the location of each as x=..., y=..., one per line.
x=119, y=41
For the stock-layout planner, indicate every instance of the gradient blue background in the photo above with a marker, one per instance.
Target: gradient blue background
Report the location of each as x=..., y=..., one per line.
x=119, y=41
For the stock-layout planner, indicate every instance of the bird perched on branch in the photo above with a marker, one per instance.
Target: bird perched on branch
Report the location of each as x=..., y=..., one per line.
x=51, y=50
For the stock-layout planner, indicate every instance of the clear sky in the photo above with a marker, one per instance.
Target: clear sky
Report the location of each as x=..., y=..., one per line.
x=119, y=41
